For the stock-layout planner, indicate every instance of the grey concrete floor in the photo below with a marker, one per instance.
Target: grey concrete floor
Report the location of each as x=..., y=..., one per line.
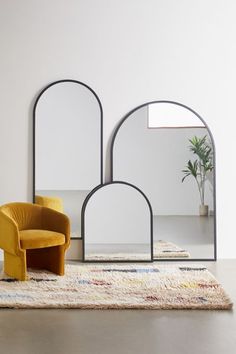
x=124, y=331
x=193, y=233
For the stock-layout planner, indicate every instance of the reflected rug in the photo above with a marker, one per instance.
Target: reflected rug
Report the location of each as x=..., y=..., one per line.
x=103, y=286
x=164, y=249
x=161, y=249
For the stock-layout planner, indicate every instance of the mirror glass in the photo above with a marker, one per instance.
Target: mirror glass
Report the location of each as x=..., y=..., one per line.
x=166, y=150
x=68, y=146
x=117, y=224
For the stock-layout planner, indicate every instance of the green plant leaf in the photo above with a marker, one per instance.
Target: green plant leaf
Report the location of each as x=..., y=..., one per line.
x=202, y=150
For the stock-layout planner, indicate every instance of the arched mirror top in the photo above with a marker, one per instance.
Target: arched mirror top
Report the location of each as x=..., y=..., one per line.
x=73, y=87
x=164, y=114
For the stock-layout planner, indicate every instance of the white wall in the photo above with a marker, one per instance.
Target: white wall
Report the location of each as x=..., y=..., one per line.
x=129, y=52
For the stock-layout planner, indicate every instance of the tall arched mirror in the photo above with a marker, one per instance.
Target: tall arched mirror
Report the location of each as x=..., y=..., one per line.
x=67, y=147
x=166, y=150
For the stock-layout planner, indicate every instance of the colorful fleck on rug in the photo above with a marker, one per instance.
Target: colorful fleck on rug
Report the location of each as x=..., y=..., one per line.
x=103, y=286
x=161, y=249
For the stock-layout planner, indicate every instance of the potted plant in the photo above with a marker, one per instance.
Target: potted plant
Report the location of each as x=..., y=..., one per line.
x=200, y=167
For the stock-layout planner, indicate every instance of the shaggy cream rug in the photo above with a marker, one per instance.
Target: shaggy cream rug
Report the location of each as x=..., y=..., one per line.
x=117, y=286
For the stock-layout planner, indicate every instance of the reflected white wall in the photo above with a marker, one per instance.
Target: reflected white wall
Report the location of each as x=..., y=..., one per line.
x=117, y=214
x=72, y=204
x=153, y=159
x=68, y=138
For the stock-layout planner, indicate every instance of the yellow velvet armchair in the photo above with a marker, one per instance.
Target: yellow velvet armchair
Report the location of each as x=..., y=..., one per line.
x=33, y=236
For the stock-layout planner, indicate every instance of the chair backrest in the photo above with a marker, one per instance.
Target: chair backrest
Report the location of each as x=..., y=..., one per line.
x=54, y=203
x=26, y=215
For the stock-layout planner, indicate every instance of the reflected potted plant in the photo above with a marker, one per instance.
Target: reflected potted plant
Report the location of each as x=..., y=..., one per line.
x=200, y=167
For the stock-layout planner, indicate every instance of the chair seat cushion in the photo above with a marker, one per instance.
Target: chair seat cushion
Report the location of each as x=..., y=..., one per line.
x=40, y=238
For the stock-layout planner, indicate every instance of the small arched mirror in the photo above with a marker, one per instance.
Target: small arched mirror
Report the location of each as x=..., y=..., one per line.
x=67, y=147
x=167, y=150
x=117, y=224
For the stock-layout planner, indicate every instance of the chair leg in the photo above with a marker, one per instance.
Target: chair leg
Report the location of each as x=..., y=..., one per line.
x=15, y=266
x=50, y=258
x=56, y=260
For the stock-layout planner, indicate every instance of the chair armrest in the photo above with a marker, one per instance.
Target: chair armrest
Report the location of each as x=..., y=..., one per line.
x=9, y=235
x=55, y=221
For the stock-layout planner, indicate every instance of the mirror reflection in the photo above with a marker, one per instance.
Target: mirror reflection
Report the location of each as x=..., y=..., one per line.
x=117, y=224
x=68, y=152
x=166, y=150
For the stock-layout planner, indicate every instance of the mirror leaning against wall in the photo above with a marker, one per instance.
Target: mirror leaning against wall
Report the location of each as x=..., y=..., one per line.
x=67, y=147
x=166, y=149
x=117, y=224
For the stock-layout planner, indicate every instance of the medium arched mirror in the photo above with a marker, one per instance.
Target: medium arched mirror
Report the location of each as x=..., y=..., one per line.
x=67, y=147
x=117, y=224
x=166, y=150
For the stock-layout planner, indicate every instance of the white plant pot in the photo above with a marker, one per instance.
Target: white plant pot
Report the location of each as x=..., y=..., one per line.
x=203, y=210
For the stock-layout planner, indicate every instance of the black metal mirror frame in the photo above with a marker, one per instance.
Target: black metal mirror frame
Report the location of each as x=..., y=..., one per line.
x=214, y=170
x=83, y=224
x=34, y=125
